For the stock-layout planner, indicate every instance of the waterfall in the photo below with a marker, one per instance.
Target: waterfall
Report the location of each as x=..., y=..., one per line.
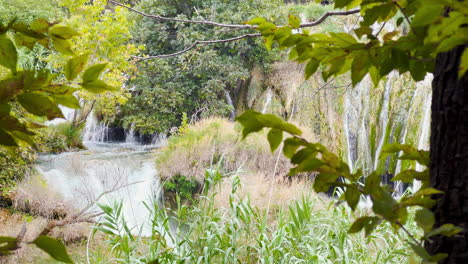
x=269, y=96
x=383, y=118
x=95, y=131
x=124, y=175
x=130, y=136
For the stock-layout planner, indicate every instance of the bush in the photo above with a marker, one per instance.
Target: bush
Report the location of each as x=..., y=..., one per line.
x=62, y=137
x=216, y=140
x=185, y=187
x=15, y=166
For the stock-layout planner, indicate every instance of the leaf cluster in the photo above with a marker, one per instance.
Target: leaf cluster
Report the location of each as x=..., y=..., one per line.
x=434, y=27
x=333, y=172
x=40, y=92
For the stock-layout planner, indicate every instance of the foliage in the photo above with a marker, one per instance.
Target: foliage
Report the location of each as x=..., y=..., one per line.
x=434, y=27
x=38, y=92
x=196, y=82
x=212, y=142
x=29, y=10
x=16, y=165
x=104, y=35
x=27, y=95
x=61, y=138
x=331, y=172
x=182, y=186
x=241, y=233
x=375, y=54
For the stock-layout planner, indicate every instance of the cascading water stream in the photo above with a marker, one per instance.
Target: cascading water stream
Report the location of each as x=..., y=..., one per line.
x=109, y=171
x=269, y=96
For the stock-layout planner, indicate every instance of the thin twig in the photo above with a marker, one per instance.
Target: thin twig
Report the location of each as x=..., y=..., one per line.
x=196, y=43
x=382, y=27
x=328, y=14
x=204, y=22
x=408, y=233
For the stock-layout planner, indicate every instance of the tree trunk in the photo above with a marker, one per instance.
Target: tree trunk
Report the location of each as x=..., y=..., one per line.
x=449, y=154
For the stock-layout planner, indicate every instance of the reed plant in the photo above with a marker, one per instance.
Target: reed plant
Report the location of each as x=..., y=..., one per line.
x=305, y=231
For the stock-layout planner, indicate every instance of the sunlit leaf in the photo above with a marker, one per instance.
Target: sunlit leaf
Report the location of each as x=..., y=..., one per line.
x=53, y=247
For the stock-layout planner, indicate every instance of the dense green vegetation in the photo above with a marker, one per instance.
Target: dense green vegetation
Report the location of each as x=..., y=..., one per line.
x=233, y=198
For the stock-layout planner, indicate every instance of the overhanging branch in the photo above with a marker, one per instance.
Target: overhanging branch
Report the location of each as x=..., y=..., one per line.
x=161, y=18
x=196, y=43
x=216, y=24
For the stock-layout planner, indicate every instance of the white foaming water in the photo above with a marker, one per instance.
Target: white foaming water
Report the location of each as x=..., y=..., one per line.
x=82, y=177
x=269, y=96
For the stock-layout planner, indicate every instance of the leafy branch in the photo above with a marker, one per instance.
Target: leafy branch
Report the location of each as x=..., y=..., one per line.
x=314, y=157
x=246, y=25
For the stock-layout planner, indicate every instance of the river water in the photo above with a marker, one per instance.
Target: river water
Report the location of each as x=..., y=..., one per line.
x=111, y=172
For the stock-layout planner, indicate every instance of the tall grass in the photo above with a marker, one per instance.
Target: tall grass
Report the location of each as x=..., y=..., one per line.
x=305, y=231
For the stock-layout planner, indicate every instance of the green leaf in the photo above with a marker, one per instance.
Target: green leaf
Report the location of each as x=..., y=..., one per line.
x=417, y=70
x=63, y=32
x=384, y=205
x=8, y=245
x=6, y=139
x=53, y=247
x=98, y=86
x=463, y=63
x=291, y=145
x=8, y=53
x=366, y=222
x=360, y=66
x=408, y=176
x=75, y=66
x=445, y=230
x=269, y=120
x=420, y=251
x=268, y=41
x=352, y=197
x=40, y=25
x=69, y=101
x=425, y=219
x=256, y=21
x=427, y=14
x=290, y=128
x=93, y=72
x=62, y=46
x=9, y=88
x=309, y=164
x=275, y=136
x=293, y=21
x=303, y=154
x=40, y=105
x=311, y=67
x=342, y=3
x=250, y=123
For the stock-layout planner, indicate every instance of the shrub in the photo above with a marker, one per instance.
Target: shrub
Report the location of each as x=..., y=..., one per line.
x=216, y=140
x=15, y=166
x=61, y=138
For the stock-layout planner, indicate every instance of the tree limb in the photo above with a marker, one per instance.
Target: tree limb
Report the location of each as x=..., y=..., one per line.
x=204, y=22
x=216, y=24
x=196, y=43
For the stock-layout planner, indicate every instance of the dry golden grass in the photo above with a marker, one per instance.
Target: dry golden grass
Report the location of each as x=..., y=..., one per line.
x=33, y=197
x=265, y=193
x=216, y=140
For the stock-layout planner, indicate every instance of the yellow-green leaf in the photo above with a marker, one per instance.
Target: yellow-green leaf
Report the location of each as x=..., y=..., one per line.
x=8, y=53
x=93, y=72
x=75, y=66
x=53, y=247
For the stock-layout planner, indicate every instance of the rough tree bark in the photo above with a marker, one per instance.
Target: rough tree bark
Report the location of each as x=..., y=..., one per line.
x=449, y=154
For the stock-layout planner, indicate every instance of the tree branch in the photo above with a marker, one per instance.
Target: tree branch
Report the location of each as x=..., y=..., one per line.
x=216, y=24
x=328, y=14
x=204, y=22
x=196, y=43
